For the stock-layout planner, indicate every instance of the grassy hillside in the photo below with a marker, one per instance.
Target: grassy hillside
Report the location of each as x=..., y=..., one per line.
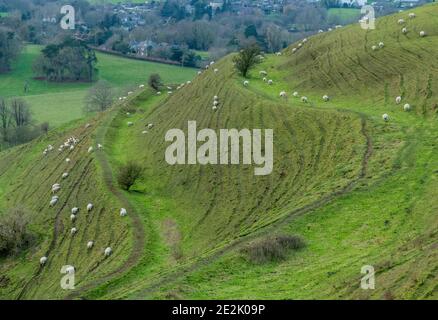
x=358, y=190
x=61, y=103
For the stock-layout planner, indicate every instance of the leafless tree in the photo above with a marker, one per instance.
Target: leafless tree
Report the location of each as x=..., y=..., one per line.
x=99, y=98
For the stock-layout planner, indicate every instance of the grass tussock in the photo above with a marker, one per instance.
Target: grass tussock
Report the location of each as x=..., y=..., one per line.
x=273, y=249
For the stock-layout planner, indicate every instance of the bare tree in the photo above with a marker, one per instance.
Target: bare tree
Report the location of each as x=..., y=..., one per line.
x=5, y=118
x=99, y=98
x=20, y=112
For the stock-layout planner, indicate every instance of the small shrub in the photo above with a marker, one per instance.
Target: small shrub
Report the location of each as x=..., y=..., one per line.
x=155, y=81
x=14, y=232
x=273, y=248
x=128, y=174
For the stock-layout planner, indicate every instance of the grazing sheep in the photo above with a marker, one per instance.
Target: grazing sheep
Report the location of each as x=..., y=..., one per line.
x=304, y=40
x=188, y=82
x=64, y=175
x=300, y=45
x=169, y=88
x=381, y=45
x=130, y=124
x=412, y=15
x=211, y=63
x=56, y=187
x=130, y=92
x=338, y=26
x=404, y=30
x=169, y=92
x=144, y=132
x=422, y=34
x=374, y=48
x=99, y=146
x=123, y=212
x=304, y=99
x=141, y=86
x=89, y=207
x=320, y=31
x=72, y=147
x=214, y=108
x=108, y=251
x=246, y=83
x=263, y=73
x=270, y=82
x=385, y=117
x=67, y=160
x=215, y=98
x=150, y=125
x=215, y=103
x=294, y=50
x=265, y=79
x=72, y=217
x=329, y=29
x=90, y=149
x=74, y=210
x=158, y=93
x=70, y=270
x=43, y=260
x=283, y=94
x=407, y=107
x=73, y=231
x=199, y=72
x=295, y=94
x=401, y=21
x=207, y=66
x=398, y=100
x=325, y=98
x=216, y=70
x=278, y=53
x=54, y=201
x=90, y=244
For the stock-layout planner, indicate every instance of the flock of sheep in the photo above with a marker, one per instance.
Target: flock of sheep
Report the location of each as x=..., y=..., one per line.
x=69, y=145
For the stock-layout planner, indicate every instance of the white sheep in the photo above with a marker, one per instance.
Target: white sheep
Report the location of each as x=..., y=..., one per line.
x=158, y=93
x=404, y=30
x=263, y=73
x=90, y=244
x=67, y=160
x=169, y=92
x=90, y=149
x=401, y=21
x=188, y=82
x=130, y=92
x=374, y=48
x=99, y=146
x=130, y=124
x=304, y=99
x=211, y=63
x=320, y=31
x=422, y=34
x=278, y=53
x=54, y=201
x=169, y=88
x=89, y=207
x=56, y=187
x=407, y=107
x=150, y=125
x=283, y=94
x=108, y=251
x=43, y=260
x=215, y=103
x=72, y=147
x=144, y=132
x=295, y=94
x=385, y=117
x=216, y=70
x=325, y=98
x=338, y=26
x=381, y=45
x=294, y=50
x=141, y=86
x=265, y=79
x=300, y=45
x=270, y=82
x=199, y=72
x=412, y=15
x=73, y=231
x=75, y=210
x=123, y=212
x=215, y=98
x=329, y=29
x=72, y=217
x=214, y=108
x=246, y=83
x=398, y=100
x=304, y=40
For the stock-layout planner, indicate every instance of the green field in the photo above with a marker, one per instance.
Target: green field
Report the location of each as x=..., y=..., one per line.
x=358, y=190
x=343, y=15
x=61, y=103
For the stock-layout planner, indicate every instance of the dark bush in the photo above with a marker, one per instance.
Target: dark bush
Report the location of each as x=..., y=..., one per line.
x=154, y=81
x=14, y=232
x=128, y=174
x=273, y=248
